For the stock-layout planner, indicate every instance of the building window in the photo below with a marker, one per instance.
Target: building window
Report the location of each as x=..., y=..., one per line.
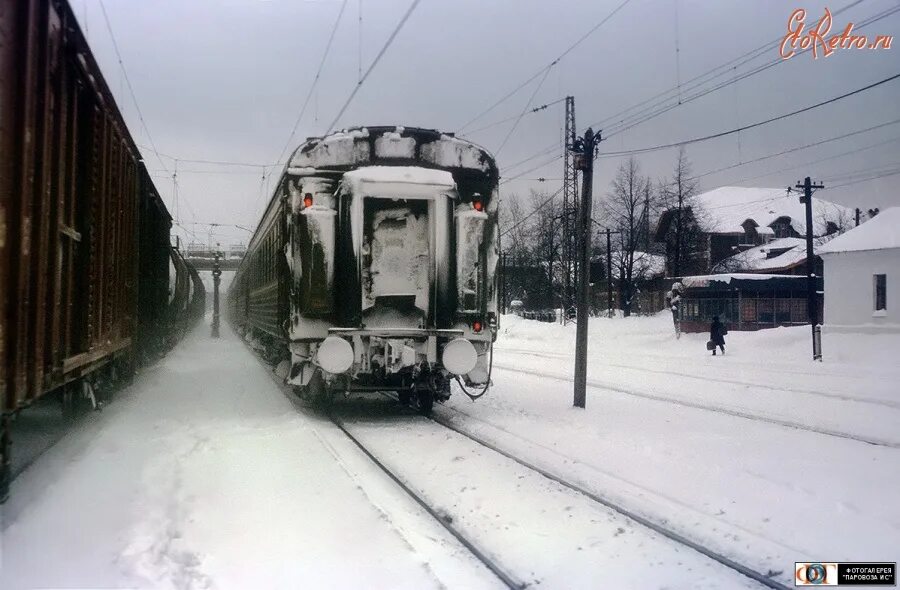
x=880, y=284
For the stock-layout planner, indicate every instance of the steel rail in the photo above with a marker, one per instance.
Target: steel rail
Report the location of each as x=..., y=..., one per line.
x=618, y=508
x=508, y=580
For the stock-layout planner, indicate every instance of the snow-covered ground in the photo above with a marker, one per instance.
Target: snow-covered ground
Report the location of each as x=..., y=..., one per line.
x=204, y=474
x=757, y=454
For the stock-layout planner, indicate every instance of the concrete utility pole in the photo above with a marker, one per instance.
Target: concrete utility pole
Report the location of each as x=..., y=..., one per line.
x=812, y=300
x=609, y=302
x=216, y=273
x=584, y=160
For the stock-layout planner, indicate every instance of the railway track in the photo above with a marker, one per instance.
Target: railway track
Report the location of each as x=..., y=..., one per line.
x=504, y=576
x=759, y=577
x=715, y=409
x=847, y=398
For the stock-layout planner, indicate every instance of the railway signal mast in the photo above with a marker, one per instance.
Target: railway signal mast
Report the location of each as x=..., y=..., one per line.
x=570, y=205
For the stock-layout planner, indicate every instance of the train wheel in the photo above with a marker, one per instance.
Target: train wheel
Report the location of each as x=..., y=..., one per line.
x=404, y=396
x=426, y=401
x=318, y=393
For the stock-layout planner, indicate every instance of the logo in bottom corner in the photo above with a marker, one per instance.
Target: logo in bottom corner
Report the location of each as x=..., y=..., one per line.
x=815, y=574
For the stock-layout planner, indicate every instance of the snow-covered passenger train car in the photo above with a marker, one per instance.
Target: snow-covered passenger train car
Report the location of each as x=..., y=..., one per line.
x=374, y=266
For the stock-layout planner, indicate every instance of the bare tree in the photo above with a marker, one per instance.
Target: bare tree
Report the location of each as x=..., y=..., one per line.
x=625, y=210
x=677, y=194
x=514, y=226
x=546, y=239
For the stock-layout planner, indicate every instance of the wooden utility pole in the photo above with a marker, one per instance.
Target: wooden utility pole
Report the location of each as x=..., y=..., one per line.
x=505, y=302
x=812, y=300
x=584, y=159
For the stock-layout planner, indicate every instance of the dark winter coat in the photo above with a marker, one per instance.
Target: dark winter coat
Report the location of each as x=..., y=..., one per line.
x=717, y=333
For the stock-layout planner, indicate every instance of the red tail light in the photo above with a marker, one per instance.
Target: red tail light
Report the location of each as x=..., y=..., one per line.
x=308, y=200
x=476, y=326
x=478, y=205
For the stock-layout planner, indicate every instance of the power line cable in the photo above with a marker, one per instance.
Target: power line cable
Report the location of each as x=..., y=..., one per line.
x=750, y=126
x=648, y=113
x=875, y=177
x=128, y=82
x=819, y=161
x=315, y=81
x=796, y=149
x=362, y=80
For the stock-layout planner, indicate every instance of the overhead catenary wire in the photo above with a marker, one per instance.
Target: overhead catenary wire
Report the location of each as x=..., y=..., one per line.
x=378, y=57
x=711, y=73
x=508, y=119
x=137, y=107
x=315, y=81
x=533, y=212
x=722, y=134
x=522, y=114
x=215, y=162
x=546, y=68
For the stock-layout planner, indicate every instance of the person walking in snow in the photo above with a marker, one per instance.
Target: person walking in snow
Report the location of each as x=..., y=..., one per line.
x=717, y=333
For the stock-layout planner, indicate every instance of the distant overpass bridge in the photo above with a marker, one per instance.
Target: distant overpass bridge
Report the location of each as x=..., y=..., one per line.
x=205, y=263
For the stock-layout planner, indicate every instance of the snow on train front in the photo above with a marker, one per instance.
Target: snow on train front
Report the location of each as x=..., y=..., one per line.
x=392, y=249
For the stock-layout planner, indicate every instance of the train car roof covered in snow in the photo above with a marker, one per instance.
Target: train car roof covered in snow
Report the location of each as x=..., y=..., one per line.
x=398, y=179
x=394, y=145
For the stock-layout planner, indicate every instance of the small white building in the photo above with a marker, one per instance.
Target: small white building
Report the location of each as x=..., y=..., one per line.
x=862, y=276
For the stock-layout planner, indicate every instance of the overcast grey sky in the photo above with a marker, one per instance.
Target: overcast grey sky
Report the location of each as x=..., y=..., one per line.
x=225, y=80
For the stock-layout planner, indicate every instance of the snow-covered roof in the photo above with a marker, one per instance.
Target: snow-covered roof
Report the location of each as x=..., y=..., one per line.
x=879, y=233
x=704, y=280
x=356, y=146
x=397, y=180
x=777, y=254
x=726, y=209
